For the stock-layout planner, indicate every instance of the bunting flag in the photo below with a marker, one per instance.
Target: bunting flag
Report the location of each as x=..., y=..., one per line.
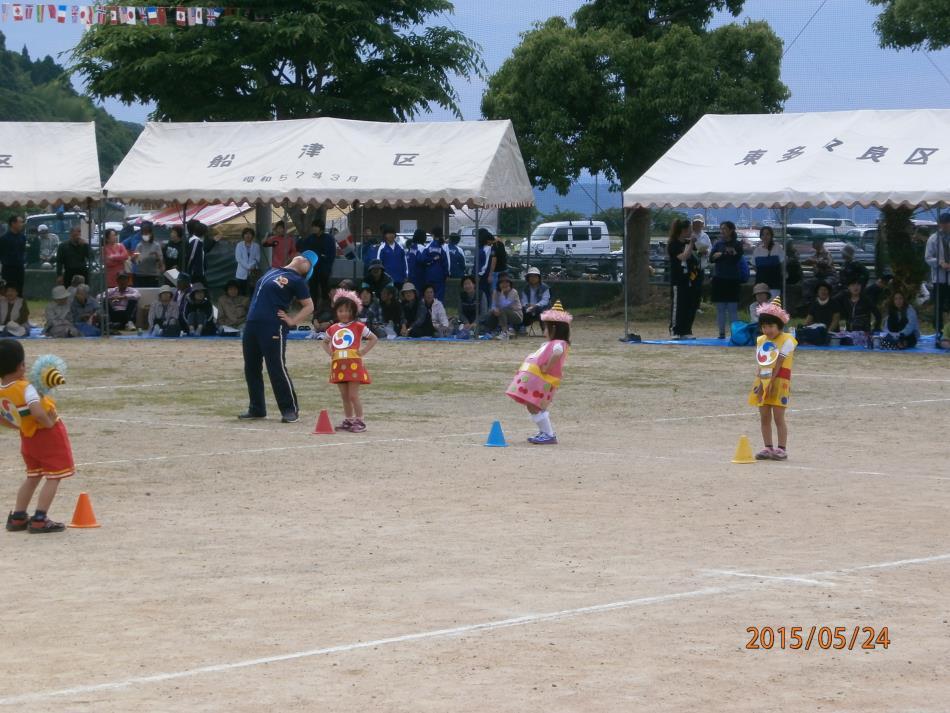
x=95, y=14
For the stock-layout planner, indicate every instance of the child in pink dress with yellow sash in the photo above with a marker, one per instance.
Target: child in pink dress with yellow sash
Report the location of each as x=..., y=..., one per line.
x=539, y=376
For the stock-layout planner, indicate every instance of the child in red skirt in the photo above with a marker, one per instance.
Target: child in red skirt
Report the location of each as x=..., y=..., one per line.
x=347, y=342
x=44, y=442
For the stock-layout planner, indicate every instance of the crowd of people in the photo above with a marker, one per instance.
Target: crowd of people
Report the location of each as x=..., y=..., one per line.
x=841, y=303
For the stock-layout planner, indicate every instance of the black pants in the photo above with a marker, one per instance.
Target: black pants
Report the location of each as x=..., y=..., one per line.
x=320, y=287
x=941, y=300
x=267, y=342
x=531, y=316
x=14, y=276
x=682, y=308
x=121, y=317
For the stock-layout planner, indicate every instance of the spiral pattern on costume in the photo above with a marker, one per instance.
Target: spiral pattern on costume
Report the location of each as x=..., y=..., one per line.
x=343, y=339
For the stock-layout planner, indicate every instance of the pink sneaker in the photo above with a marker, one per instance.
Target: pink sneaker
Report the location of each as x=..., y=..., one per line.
x=357, y=425
x=346, y=425
x=766, y=453
x=779, y=454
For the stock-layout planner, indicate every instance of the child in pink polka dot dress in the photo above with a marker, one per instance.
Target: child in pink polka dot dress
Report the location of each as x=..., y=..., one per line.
x=540, y=374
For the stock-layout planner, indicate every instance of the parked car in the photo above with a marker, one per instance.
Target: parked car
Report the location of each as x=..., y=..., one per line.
x=842, y=223
x=575, y=237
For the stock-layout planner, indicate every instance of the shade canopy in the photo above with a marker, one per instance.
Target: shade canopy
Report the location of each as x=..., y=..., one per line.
x=44, y=163
x=849, y=158
x=210, y=215
x=326, y=162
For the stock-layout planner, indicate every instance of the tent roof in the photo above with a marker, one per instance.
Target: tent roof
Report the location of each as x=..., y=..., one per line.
x=208, y=214
x=44, y=162
x=848, y=158
x=326, y=162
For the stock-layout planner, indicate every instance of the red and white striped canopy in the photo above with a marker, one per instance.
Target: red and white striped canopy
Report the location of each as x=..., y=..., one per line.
x=207, y=214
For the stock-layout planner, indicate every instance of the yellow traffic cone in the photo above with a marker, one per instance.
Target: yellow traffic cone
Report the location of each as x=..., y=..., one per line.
x=743, y=451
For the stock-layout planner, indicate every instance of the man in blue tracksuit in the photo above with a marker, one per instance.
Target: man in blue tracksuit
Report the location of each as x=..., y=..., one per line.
x=455, y=258
x=393, y=257
x=265, y=335
x=435, y=260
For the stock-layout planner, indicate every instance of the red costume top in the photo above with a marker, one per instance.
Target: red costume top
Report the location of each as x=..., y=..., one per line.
x=346, y=363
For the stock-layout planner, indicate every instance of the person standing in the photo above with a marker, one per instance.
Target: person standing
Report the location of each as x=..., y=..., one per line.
x=393, y=257
x=115, y=256
x=415, y=257
x=436, y=268
x=726, y=257
x=703, y=248
x=684, y=272
x=455, y=258
x=247, y=254
x=486, y=264
x=200, y=243
x=937, y=255
x=769, y=260
x=72, y=258
x=282, y=246
x=265, y=335
x=13, y=253
x=174, y=250
x=148, y=261
x=324, y=247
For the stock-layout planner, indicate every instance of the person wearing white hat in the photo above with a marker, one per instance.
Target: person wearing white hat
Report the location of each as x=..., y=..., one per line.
x=702, y=248
x=535, y=298
x=59, y=323
x=49, y=242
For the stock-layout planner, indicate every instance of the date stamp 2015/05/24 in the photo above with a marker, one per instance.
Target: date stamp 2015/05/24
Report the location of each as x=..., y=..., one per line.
x=798, y=638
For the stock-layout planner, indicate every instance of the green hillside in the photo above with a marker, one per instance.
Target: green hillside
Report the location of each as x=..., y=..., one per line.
x=39, y=90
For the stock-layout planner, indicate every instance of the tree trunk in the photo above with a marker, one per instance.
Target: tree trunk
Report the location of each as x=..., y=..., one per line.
x=304, y=218
x=636, y=255
x=904, y=255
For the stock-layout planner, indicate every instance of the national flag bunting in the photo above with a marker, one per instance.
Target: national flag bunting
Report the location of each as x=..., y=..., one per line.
x=95, y=14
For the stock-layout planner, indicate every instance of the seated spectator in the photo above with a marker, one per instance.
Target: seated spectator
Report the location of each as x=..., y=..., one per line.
x=821, y=318
x=199, y=313
x=437, y=321
x=506, y=313
x=469, y=310
x=14, y=314
x=164, y=315
x=74, y=283
x=232, y=309
x=123, y=302
x=59, y=324
x=944, y=342
x=535, y=298
x=377, y=278
x=369, y=312
x=390, y=312
x=857, y=311
x=852, y=270
x=823, y=270
x=877, y=290
x=84, y=312
x=761, y=296
x=899, y=324
x=414, y=313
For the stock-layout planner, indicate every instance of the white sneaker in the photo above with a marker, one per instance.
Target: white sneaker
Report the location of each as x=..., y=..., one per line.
x=130, y=326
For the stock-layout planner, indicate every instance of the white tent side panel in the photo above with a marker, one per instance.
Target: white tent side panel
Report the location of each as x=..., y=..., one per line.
x=44, y=163
x=326, y=162
x=849, y=158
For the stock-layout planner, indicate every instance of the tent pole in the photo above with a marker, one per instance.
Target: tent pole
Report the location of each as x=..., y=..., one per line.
x=785, y=253
x=623, y=281
x=478, y=290
x=103, y=307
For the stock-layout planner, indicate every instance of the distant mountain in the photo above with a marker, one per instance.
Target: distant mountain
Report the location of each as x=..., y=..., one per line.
x=41, y=91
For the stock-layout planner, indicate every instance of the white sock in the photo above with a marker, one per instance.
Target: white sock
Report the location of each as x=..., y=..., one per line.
x=543, y=420
x=538, y=419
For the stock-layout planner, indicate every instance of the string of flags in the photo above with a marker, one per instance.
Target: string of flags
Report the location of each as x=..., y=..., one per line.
x=89, y=15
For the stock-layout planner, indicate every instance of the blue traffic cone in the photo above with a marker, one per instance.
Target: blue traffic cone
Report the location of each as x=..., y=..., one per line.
x=496, y=439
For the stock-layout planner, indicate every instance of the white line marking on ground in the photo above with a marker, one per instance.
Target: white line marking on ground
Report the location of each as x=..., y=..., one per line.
x=445, y=633
x=868, y=378
x=750, y=413
x=799, y=580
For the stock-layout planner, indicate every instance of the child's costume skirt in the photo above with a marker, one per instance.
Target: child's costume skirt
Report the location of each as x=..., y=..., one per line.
x=780, y=395
x=347, y=366
x=48, y=453
x=532, y=387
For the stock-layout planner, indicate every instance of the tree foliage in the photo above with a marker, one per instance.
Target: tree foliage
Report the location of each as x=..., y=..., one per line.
x=517, y=221
x=357, y=59
x=914, y=24
x=904, y=256
x=40, y=91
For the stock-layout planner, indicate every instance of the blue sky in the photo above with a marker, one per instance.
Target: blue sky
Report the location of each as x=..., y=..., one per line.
x=835, y=64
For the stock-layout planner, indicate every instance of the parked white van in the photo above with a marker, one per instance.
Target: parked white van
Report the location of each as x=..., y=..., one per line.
x=574, y=237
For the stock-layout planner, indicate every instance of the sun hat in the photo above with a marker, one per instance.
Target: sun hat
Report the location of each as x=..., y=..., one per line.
x=774, y=309
x=198, y=287
x=166, y=290
x=15, y=329
x=42, y=229
x=698, y=218
x=533, y=271
x=557, y=314
x=60, y=293
x=312, y=258
x=759, y=288
x=408, y=287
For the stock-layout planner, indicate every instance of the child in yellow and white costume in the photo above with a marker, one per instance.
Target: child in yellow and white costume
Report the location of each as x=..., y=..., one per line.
x=771, y=390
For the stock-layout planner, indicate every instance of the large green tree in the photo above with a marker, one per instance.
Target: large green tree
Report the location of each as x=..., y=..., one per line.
x=612, y=90
x=914, y=24
x=358, y=59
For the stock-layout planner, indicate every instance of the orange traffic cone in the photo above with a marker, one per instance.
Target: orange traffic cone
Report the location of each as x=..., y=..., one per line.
x=323, y=426
x=743, y=451
x=83, y=516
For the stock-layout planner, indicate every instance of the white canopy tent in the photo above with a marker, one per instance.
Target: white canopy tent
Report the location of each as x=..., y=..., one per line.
x=848, y=158
x=326, y=162
x=48, y=163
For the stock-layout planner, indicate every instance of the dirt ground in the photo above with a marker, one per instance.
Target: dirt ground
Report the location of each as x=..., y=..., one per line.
x=242, y=566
